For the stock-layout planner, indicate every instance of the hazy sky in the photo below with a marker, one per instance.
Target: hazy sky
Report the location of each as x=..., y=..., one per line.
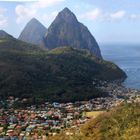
x=110, y=21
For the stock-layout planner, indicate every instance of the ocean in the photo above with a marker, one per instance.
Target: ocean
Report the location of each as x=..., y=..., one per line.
x=127, y=57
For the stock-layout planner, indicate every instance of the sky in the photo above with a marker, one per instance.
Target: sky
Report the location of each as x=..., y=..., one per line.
x=110, y=21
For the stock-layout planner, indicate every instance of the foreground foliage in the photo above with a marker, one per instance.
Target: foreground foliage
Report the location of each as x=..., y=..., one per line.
x=62, y=74
x=122, y=123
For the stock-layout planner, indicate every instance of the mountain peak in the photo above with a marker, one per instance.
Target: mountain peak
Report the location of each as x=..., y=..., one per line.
x=66, y=10
x=34, y=20
x=3, y=34
x=33, y=32
x=66, y=30
x=66, y=15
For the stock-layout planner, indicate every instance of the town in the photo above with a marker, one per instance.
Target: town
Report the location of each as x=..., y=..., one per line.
x=48, y=119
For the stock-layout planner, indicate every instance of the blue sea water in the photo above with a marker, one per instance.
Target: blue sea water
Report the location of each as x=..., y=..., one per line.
x=127, y=57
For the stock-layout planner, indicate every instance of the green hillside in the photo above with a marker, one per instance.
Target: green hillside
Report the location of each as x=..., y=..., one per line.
x=121, y=123
x=62, y=74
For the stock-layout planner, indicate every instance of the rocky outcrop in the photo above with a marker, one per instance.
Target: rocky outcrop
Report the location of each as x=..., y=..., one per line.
x=66, y=30
x=33, y=32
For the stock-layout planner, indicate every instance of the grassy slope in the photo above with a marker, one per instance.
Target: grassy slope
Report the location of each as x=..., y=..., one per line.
x=60, y=74
x=122, y=123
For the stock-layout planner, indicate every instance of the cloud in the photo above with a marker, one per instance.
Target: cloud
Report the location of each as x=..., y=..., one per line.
x=3, y=18
x=92, y=15
x=134, y=17
x=99, y=14
x=2, y=10
x=118, y=15
x=26, y=12
x=45, y=3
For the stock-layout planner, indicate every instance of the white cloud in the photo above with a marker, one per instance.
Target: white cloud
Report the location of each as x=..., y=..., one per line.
x=99, y=14
x=118, y=15
x=3, y=18
x=2, y=10
x=26, y=12
x=3, y=21
x=45, y=3
x=92, y=15
x=134, y=16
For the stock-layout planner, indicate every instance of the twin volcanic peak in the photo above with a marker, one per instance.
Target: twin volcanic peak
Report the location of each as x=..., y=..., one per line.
x=62, y=74
x=33, y=32
x=65, y=30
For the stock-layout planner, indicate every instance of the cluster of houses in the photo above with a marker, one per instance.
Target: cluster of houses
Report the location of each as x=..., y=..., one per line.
x=116, y=90
x=44, y=120
x=38, y=122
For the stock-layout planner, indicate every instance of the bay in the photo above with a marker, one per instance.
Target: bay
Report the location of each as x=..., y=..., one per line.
x=127, y=57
